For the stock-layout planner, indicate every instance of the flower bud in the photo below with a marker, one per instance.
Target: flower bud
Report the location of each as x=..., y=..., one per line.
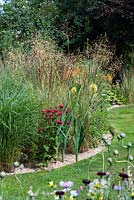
x=119, y=137
x=130, y=158
x=122, y=135
x=129, y=144
x=108, y=143
x=16, y=164
x=116, y=152
x=110, y=160
x=104, y=137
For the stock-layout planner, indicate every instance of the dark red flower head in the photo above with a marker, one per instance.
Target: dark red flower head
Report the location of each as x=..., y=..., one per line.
x=61, y=106
x=86, y=181
x=49, y=115
x=59, y=113
x=46, y=111
x=123, y=175
x=55, y=110
x=59, y=193
x=101, y=173
x=59, y=122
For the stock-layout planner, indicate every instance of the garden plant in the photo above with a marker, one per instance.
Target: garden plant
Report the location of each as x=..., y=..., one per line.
x=108, y=184
x=63, y=64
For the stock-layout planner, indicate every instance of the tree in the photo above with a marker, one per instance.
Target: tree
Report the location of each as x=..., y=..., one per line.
x=72, y=23
x=116, y=18
x=21, y=20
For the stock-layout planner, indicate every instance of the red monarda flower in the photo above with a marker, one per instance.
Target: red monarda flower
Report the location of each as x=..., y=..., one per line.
x=49, y=114
x=55, y=110
x=59, y=122
x=52, y=111
x=46, y=111
x=61, y=106
x=59, y=113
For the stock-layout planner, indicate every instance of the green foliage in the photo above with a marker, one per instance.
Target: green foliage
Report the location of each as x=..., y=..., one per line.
x=18, y=117
x=79, y=87
x=53, y=133
x=127, y=86
x=98, y=122
x=104, y=15
x=114, y=96
x=22, y=20
x=73, y=24
x=79, y=133
x=85, y=169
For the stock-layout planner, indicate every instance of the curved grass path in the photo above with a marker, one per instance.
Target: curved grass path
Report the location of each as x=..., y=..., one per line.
x=122, y=119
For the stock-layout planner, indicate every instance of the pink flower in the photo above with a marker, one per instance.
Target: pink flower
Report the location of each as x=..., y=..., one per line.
x=59, y=122
x=117, y=187
x=66, y=184
x=61, y=106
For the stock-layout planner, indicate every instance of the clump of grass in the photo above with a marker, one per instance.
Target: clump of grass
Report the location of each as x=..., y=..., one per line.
x=127, y=86
x=75, y=81
x=18, y=117
x=103, y=55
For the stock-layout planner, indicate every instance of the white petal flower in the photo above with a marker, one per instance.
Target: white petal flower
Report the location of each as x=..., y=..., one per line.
x=74, y=193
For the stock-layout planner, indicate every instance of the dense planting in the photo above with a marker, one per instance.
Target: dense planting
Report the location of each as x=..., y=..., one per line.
x=108, y=184
x=56, y=108
x=62, y=66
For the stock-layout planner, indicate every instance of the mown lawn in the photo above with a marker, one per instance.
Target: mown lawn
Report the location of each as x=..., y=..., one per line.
x=122, y=119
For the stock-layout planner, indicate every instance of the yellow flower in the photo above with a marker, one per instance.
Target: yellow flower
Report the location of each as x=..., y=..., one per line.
x=132, y=194
x=73, y=90
x=93, y=88
x=71, y=198
x=109, y=77
x=51, y=184
x=92, y=194
x=97, y=186
x=100, y=198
